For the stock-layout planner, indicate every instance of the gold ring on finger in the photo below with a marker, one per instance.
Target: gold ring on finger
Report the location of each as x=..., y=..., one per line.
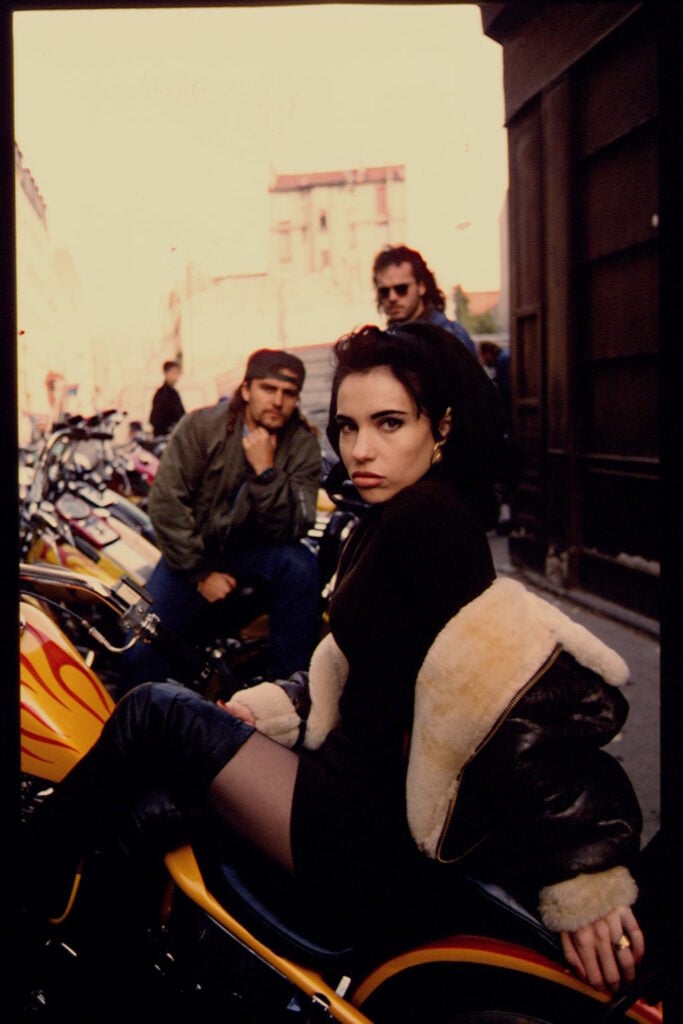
x=623, y=942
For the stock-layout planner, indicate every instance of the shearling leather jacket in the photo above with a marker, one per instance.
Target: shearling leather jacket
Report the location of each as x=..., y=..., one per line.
x=513, y=703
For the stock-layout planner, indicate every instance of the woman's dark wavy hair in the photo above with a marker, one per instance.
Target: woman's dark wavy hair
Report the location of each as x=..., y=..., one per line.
x=393, y=256
x=439, y=373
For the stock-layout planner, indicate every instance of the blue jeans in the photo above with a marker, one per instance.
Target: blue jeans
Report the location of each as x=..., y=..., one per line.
x=288, y=574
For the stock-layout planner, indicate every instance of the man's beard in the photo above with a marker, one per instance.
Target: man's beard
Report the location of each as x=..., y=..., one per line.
x=271, y=429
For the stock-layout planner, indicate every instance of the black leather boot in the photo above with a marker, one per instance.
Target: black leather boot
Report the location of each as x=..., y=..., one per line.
x=55, y=838
x=146, y=776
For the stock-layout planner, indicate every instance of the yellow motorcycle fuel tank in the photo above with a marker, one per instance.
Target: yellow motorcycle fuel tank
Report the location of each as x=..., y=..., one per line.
x=63, y=705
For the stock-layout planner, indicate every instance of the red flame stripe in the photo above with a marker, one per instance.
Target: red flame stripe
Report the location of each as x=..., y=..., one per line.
x=29, y=666
x=58, y=659
x=36, y=715
x=36, y=757
x=51, y=741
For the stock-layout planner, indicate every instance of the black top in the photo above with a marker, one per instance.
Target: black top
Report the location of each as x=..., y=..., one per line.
x=167, y=409
x=408, y=567
x=412, y=564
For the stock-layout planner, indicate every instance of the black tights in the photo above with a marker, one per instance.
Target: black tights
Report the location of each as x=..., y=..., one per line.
x=253, y=793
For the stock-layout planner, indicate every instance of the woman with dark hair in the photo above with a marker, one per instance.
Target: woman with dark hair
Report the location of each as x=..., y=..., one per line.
x=449, y=721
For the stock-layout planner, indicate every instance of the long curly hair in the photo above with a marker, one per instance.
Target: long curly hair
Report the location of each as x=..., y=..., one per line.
x=440, y=374
x=392, y=256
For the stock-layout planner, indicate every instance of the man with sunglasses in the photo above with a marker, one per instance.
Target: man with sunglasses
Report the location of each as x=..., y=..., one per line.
x=407, y=290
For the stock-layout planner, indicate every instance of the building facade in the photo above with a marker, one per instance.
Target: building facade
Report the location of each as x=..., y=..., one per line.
x=581, y=114
x=54, y=354
x=334, y=223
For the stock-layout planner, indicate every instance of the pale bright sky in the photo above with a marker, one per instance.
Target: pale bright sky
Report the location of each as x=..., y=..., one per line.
x=156, y=129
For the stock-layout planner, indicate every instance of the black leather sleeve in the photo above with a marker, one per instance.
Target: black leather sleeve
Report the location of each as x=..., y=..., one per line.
x=558, y=805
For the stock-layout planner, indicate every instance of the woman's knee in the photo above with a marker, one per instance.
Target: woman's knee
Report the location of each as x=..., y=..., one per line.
x=146, y=694
x=176, y=730
x=142, y=710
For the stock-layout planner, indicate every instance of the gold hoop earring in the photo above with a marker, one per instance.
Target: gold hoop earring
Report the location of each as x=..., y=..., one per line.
x=437, y=454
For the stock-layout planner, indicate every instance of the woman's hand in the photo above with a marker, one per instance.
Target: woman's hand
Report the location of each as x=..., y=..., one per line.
x=216, y=586
x=607, y=950
x=238, y=711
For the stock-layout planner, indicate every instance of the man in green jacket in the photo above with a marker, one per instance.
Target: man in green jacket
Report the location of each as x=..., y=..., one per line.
x=235, y=492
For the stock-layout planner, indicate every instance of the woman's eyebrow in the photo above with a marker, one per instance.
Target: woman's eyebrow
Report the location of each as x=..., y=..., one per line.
x=388, y=412
x=374, y=415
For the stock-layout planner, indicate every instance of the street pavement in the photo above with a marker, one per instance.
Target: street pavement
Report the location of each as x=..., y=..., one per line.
x=637, y=747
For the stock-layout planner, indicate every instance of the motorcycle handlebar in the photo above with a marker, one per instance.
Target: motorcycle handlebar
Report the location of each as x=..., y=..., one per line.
x=124, y=595
x=131, y=603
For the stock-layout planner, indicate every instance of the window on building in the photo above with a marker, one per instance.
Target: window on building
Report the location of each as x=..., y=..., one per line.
x=324, y=257
x=381, y=201
x=322, y=220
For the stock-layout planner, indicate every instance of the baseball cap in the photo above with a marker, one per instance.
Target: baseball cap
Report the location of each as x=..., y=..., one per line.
x=270, y=362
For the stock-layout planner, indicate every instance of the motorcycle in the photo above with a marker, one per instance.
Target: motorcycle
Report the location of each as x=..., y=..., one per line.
x=69, y=516
x=155, y=444
x=129, y=467
x=80, y=454
x=222, y=936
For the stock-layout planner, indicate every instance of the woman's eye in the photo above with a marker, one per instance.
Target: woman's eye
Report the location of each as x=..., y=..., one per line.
x=391, y=423
x=345, y=428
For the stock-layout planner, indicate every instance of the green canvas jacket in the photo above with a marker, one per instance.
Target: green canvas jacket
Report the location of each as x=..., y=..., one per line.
x=206, y=498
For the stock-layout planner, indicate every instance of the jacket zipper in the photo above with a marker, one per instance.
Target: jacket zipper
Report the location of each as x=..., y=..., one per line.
x=512, y=703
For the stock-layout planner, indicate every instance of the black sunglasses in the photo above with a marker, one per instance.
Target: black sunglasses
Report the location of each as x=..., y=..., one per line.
x=400, y=289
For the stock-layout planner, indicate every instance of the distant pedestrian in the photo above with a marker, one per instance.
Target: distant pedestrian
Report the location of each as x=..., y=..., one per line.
x=407, y=290
x=496, y=363
x=167, y=405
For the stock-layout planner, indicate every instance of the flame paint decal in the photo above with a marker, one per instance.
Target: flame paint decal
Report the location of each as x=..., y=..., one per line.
x=71, y=558
x=63, y=703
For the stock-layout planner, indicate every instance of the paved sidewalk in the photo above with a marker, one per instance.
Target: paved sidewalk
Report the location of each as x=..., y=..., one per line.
x=637, y=747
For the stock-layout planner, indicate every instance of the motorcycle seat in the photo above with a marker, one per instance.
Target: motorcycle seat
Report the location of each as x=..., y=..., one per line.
x=264, y=900
x=513, y=920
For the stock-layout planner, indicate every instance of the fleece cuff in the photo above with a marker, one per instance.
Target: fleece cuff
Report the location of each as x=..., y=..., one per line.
x=570, y=905
x=274, y=713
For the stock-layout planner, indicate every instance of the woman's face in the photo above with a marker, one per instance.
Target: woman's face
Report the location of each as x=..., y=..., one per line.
x=383, y=442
